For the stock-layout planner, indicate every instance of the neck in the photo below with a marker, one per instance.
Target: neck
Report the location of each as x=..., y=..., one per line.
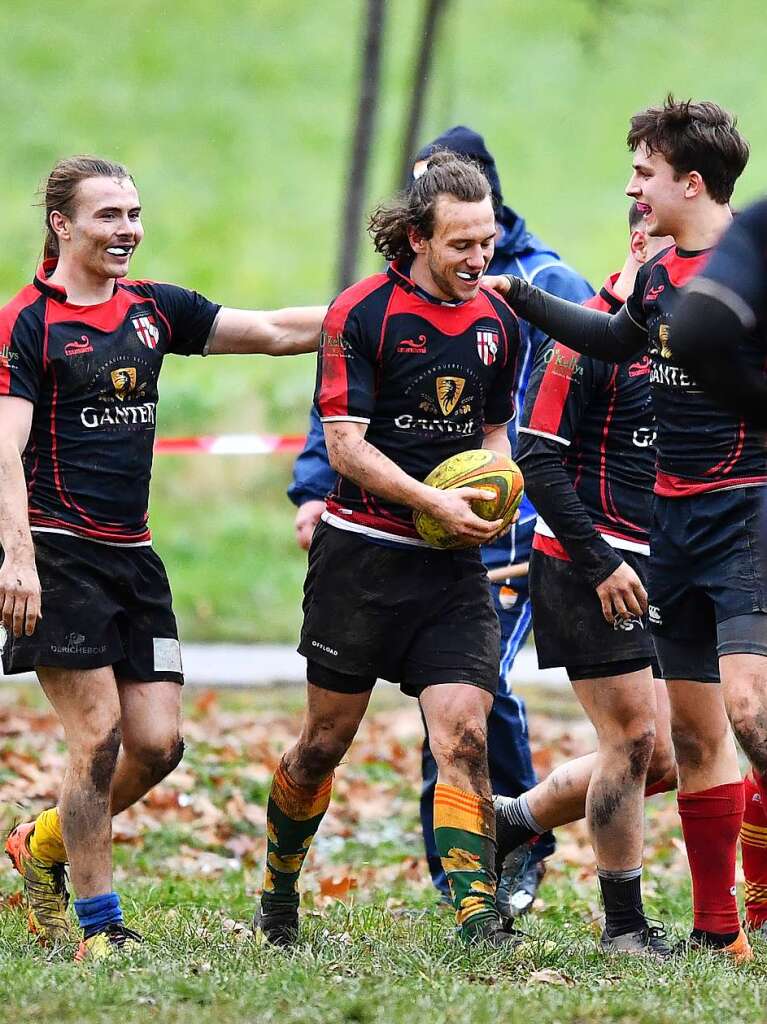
x=82, y=288
x=705, y=229
x=624, y=285
x=419, y=273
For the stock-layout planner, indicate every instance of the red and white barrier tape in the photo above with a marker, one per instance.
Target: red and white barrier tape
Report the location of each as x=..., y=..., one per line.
x=230, y=444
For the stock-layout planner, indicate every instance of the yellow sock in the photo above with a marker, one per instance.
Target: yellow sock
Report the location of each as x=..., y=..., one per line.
x=46, y=843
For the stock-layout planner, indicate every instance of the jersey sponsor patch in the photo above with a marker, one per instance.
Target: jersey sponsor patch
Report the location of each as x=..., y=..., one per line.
x=167, y=654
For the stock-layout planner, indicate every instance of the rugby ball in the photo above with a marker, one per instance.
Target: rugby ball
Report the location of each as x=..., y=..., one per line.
x=477, y=468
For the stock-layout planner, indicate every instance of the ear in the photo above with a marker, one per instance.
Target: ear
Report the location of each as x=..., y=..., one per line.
x=638, y=245
x=695, y=185
x=60, y=225
x=417, y=242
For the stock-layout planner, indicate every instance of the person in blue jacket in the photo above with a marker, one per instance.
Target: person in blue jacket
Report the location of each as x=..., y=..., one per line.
x=517, y=252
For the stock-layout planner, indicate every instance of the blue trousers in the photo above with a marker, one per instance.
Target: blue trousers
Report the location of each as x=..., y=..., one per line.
x=508, y=746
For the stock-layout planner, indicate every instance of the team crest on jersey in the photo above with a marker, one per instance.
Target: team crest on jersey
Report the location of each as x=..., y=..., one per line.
x=449, y=391
x=487, y=346
x=147, y=329
x=124, y=381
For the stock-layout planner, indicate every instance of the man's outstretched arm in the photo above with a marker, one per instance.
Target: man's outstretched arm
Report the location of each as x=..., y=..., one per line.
x=611, y=338
x=279, y=332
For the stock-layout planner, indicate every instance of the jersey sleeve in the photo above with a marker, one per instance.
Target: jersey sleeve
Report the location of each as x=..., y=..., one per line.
x=499, y=405
x=21, y=355
x=189, y=316
x=635, y=302
x=345, y=388
x=560, y=389
x=736, y=273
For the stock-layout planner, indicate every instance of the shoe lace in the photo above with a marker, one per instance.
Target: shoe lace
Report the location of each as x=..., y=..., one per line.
x=119, y=934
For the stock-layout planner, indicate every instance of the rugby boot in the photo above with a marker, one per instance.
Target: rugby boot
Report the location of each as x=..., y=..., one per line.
x=739, y=950
x=648, y=941
x=512, y=870
x=107, y=943
x=492, y=931
x=45, y=888
x=277, y=923
x=517, y=890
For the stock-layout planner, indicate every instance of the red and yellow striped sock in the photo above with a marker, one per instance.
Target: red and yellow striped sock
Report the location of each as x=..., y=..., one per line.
x=46, y=842
x=753, y=841
x=293, y=815
x=464, y=833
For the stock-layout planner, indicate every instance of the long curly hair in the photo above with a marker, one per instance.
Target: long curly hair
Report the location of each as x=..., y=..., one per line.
x=447, y=173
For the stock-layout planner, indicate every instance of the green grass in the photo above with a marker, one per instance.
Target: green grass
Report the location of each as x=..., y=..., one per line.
x=235, y=119
x=189, y=860
x=392, y=958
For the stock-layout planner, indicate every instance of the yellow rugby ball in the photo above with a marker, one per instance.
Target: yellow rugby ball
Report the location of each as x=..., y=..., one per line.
x=477, y=468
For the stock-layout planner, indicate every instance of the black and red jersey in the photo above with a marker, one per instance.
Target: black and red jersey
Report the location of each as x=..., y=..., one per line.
x=91, y=373
x=425, y=376
x=700, y=446
x=602, y=414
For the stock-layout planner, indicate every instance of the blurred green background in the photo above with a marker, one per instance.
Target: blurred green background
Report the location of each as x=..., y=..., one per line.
x=236, y=119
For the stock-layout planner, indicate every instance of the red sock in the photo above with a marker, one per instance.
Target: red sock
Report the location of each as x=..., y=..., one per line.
x=664, y=785
x=753, y=844
x=711, y=822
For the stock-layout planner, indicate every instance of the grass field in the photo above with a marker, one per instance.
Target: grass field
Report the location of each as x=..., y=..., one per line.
x=236, y=118
x=376, y=946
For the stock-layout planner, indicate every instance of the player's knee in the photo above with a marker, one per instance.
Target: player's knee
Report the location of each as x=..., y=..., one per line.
x=318, y=757
x=691, y=750
x=159, y=756
x=463, y=746
x=639, y=747
x=96, y=756
x=751, y=733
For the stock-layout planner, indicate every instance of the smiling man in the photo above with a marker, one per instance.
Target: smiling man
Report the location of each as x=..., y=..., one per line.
x=707, y=606
x=85, y=600
x=416, y=364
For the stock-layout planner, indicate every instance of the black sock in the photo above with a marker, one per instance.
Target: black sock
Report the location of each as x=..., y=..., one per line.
x=712, y=939
x=514, y=823
x=622, y=899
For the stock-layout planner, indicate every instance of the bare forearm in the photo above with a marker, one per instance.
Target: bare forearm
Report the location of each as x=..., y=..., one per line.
x=280, y=332
x=15, y=536
x=368, y=467
x=496, y=439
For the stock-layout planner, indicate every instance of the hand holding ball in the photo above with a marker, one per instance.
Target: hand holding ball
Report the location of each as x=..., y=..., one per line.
x=480, y=468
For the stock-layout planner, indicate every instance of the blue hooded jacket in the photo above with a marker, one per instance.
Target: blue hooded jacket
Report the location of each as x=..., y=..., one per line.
x=517, y=252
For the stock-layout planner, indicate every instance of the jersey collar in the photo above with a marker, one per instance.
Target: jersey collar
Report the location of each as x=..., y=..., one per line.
x=399, y=272
x=53, y=291
x=607, y=293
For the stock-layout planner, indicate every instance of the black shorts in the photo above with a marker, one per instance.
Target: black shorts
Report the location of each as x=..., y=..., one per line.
x=412, y=615
x=101, y=605
x=705, y=571
x=570, y=629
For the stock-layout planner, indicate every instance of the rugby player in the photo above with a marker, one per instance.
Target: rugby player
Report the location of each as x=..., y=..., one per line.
x=85, y=599
x=588, y=458
x=519, y=252
x=416, y=364
x=706, y=601
x=721, y=323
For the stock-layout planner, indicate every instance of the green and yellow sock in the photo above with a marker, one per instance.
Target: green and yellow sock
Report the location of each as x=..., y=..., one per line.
x=293, y=815
x=464, y=831
x=45, y=842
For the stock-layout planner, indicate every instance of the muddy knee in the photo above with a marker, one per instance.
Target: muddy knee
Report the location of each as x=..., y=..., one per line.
x=99, y=758
x=158, y=759
x=690, y=749
x=751, y=733
x=465, y=748
x=317, y=758
x=640, y=750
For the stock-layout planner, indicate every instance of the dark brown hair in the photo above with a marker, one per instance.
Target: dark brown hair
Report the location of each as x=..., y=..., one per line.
x=447, y=174
x=700, y=137
x=60, y=189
